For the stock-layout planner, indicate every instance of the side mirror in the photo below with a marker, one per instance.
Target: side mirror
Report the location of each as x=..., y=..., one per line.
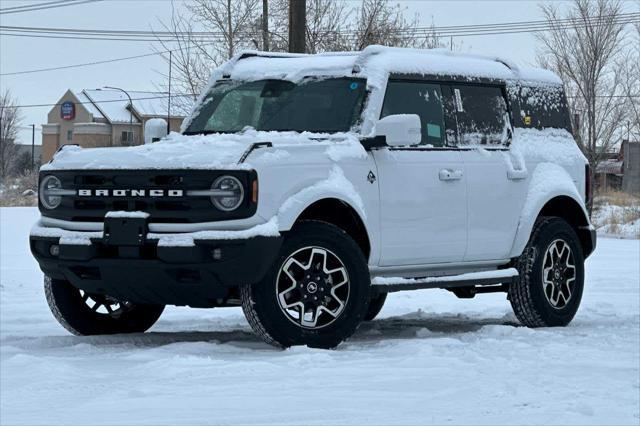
x=400, y=129
x=154, y=130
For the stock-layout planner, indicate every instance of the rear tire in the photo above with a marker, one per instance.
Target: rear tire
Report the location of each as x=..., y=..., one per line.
x=551, y=267
x=316, y=293
x=375, y=306
x=84, y=314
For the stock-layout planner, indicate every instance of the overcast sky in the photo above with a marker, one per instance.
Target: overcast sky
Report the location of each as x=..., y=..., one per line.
x=21, y=53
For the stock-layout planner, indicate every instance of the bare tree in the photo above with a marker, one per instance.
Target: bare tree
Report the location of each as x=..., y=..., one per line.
x=584, y=54
x=378, y=22
x=326, y=21
x=10, y=119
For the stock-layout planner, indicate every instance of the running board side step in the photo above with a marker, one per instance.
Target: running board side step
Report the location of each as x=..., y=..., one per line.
x=500, y=276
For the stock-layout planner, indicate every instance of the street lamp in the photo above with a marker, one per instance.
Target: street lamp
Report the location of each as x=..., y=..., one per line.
x=130, y=107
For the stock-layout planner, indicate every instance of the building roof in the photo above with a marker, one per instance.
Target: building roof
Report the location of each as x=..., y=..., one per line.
x=113, y=105
x=613, y=167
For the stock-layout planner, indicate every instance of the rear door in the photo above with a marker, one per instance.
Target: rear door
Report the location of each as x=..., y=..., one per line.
x=496, y=193
x=423, y=209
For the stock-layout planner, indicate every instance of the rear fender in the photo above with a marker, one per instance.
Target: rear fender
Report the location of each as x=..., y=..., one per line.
x=548, y=183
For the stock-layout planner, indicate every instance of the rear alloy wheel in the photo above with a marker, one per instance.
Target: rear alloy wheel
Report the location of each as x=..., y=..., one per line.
x=316, y=293
x=558, y=274
x=85, y=314
x=551, y=267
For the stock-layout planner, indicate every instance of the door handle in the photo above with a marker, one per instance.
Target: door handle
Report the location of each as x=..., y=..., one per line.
x=448, y=174
x=517, y=174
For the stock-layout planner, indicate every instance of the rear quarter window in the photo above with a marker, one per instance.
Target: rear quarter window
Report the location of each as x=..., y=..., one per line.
x=539, y=107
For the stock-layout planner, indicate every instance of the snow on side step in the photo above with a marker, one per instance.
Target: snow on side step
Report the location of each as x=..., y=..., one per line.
x=469, y=276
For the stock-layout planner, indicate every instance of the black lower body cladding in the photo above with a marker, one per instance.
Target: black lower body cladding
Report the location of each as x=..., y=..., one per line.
x=196, y=276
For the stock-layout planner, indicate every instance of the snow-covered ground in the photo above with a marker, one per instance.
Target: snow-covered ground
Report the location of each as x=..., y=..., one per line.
x=430, y=358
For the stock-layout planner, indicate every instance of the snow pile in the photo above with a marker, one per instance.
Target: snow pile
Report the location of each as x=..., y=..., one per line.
x=208, y=152
x=617, y=218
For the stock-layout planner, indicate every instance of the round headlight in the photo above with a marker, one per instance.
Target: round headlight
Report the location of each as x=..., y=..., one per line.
x=48, y=185
x=229, y=193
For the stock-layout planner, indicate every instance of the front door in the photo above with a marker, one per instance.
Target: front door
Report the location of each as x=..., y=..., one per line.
x=423, y=190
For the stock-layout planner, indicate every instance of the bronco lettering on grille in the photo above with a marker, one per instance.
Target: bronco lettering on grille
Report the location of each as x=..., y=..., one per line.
x=130, y=192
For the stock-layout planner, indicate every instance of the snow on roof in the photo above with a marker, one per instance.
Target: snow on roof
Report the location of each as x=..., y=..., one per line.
x=293, y=67
x=151, y=103
x=114, y=104
x=377, y=62
x=88, y=105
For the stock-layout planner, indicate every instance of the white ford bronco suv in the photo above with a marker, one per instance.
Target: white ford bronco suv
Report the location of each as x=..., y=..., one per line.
x=304, y=188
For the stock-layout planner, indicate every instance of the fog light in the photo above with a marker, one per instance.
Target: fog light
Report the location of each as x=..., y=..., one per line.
x=54, y=250
x=216, y=253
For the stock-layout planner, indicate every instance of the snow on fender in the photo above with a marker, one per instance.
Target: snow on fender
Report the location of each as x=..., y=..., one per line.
x=335, y=186
x=548, y=181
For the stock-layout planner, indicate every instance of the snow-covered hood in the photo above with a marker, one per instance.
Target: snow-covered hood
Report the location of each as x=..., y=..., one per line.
x=204, y=152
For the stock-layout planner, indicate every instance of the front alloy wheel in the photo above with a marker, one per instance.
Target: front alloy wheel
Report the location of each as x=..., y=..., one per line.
x=316, y=293
x=312, y=287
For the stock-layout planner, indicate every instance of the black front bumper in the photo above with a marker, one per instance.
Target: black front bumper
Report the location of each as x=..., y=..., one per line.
x=203, y=275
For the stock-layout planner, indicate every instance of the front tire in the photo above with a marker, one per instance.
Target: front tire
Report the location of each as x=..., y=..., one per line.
x=85, y=314
x=375, y=306
x=551, y=267
x=316, y=293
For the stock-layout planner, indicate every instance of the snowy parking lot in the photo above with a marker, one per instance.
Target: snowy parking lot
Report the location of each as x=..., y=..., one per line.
x=429, y=358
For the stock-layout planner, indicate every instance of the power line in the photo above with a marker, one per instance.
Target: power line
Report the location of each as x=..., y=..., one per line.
x=504, y=26
x=44, y=6
x=416, y=32
x=6, y=9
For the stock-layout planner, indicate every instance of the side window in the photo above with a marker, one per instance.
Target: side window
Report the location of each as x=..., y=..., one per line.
x=483, y=117
x=424, y=99
x=541, y=107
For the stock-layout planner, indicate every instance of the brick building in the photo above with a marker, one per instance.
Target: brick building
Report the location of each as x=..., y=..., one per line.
x=102, y=118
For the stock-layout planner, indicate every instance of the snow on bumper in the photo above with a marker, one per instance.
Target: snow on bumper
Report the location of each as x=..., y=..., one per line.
x=181, y=239
x=197, y=268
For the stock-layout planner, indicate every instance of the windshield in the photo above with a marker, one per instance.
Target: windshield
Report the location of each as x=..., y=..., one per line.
x=313, y=105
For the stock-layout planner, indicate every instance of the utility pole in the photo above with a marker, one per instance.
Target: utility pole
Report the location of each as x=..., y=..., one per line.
x=265, y=25
x=33, y=146
x=169, y=105
x=297, y=25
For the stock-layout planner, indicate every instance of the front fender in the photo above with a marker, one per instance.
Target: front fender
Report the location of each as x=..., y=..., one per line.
x=336, y=186
x=549, y=181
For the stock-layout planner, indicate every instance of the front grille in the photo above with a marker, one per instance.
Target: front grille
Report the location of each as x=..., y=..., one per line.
x=163, y=209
